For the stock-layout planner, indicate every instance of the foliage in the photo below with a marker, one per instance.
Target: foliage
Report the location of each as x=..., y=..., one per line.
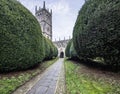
x=9, y=84
x=55, y=52
x=47, y=63
x=46, y=49
x=50, y=50
x=20, y=37
x=82, y=83
x=53, y=49
x=97, y=31
x=72, y=51
x=67, y=49
x=80, y=40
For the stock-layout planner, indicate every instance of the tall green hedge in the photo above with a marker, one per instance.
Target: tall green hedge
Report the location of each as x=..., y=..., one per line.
x=21, y=43
x=55, y=52
x=46, y=49
x=70, y=50
x=108, y=31
x=97, y=31
x=50, y=50
x=67, y=49
x=80, y=39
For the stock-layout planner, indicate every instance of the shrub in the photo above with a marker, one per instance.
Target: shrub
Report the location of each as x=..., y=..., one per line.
x=81, y=41
x=50, y=49
x=96, y=32
x=107, y=24
x=46, y=49
x=67, y=49
x=21, y=44
x=55, y=52
x=72, y=52
x=51, y=54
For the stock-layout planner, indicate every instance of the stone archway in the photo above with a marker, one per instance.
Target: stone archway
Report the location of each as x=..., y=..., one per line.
x=62, y=54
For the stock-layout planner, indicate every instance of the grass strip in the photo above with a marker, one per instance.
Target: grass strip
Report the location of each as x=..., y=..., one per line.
x=81, y=83
x=10, y=83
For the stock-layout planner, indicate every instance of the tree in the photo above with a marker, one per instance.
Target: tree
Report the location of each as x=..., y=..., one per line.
x=21, y=41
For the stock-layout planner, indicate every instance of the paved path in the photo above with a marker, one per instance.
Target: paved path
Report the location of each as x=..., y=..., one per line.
x=61, y=82
x=48, y=82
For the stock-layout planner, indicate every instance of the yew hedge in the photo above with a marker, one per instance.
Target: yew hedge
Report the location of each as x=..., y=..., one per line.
x=70, y=50
x=22, y=44
x=67, y=49
x=50, y=50
x=97, y=31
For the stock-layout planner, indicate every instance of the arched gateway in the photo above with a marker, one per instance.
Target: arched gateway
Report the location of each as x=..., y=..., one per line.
x=61, y=45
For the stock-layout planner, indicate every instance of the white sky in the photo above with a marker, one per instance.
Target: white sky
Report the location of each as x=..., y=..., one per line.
x=64, y=14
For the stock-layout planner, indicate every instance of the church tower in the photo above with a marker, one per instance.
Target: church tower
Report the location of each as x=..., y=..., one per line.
x=44, y=17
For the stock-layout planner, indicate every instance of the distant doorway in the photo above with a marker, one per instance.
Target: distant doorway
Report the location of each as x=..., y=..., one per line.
x=62, y=55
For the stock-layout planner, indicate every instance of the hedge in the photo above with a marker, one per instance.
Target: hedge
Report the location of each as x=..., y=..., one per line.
x=72, y=51
x=46, y=49
x=50, y=50
x=55, y=52
x=67, y=49
x=97, y=31
x=21, y=44
x=108, y=31
x=80, y=40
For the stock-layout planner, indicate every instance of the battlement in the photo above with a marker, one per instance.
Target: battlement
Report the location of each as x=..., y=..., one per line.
x=39, y=9
x=44, y=17
x=65, y=38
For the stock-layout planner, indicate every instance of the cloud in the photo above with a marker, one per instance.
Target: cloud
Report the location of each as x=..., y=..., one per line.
x=64, y=14
x=59, y=7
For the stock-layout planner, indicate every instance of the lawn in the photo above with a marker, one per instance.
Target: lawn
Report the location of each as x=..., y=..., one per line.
x=10, y=81
x=83, y=83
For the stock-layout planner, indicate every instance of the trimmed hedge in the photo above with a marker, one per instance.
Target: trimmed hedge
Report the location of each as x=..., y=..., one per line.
x=70, y=50
x=67, y=49
x=21, y=44
x=80, y=39
x=46, y=49
x=50, y=50
x=108, y=32
x=97, y=31
x=55, y=52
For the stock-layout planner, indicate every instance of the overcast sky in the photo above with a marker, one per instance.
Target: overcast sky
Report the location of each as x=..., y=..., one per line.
x=64, y=14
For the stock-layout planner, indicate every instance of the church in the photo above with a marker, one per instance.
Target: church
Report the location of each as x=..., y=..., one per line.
x=44, y=17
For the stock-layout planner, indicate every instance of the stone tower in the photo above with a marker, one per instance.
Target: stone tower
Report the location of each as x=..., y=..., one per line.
x=44, y=17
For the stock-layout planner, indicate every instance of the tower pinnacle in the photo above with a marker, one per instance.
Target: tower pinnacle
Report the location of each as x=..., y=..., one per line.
x=44, y=5
x=35, y=9
x=44, y=16
x=51, y=11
